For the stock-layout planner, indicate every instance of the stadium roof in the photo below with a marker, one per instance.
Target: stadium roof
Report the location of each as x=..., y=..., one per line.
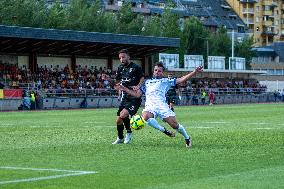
x=26, y=40
x=276, y=49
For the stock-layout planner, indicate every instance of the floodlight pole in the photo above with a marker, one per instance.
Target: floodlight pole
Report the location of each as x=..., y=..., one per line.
x=233, y=43
x=207, y=49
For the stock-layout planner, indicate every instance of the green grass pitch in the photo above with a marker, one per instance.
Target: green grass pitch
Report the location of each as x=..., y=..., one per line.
x=234, y=146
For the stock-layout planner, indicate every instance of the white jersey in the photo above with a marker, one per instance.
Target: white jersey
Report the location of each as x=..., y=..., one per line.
x=155, y=91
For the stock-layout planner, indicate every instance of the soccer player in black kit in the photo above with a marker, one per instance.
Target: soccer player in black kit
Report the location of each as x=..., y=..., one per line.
x=171, y=94
x=131, y=76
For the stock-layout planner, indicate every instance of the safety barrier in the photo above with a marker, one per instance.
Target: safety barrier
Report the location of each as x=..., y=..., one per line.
x=113, y=101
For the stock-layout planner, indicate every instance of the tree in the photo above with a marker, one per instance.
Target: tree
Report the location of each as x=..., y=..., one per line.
x=77, y=15
x=193, y=38
x=31, y=13
x=220, y=43
x=128, y=22
x=243, y=49
x=56, y=16
x=170, y=26
x=152, y=26
x=110, y=22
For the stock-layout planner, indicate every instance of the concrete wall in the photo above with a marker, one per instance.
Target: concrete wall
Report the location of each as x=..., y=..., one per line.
x=61, y=62
x=108, y=102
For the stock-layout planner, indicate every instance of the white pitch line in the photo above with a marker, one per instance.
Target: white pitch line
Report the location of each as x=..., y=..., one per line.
x=43, y=169
x=94, y=122
x=202, y=127
x=217, y=122
x=69, y=173
x=264, y=128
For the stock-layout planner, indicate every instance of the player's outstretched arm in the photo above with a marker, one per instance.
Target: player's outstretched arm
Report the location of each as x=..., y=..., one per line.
x=189, y=75
x=135, y=93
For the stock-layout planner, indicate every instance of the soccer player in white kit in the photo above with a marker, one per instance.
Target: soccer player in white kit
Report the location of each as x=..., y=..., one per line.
x=155, y=90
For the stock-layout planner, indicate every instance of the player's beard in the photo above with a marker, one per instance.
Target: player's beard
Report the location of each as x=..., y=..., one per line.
x=125, y=63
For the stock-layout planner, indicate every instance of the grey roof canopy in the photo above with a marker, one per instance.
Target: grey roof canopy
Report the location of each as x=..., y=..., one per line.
x=24, y=40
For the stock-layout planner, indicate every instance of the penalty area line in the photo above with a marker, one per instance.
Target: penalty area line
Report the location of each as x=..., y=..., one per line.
x=68, y=173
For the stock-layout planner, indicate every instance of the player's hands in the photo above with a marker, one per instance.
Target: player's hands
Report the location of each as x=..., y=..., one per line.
x=136, y=88
x=199, y=69
x=119, y=87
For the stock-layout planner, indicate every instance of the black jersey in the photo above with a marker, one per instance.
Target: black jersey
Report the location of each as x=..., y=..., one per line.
x=172, y=92
x=129, y=76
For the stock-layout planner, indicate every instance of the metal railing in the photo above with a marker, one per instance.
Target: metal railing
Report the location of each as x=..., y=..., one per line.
x=223, y=91
x=113, y=92
x=79, y=93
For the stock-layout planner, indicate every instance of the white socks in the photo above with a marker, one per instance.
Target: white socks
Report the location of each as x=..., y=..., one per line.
x=153, y=123
x=182, y=131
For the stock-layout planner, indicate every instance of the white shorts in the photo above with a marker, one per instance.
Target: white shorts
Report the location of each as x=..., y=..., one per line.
x=162, y=110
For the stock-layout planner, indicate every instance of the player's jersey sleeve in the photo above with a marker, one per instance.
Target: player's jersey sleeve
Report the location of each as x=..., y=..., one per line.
x=143, y=88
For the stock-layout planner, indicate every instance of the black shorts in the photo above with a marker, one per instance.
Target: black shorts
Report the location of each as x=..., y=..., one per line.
x=131, y=106
x=171, y=99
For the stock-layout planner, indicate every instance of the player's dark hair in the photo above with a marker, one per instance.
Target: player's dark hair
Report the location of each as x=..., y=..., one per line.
x=160, y=64
x=124, y=51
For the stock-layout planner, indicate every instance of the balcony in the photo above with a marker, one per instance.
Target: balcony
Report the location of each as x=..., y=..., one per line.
x=267, y=12
x=267, y=23
x=268, y=31
x=272, y=16
x=274, y=4
x=248, y=1
x=248, y=11
x=248, y=21
x=267, y=2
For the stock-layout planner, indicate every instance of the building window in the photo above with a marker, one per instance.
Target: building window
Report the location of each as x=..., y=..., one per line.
x=257, y=19
x=257, y=8
x=278, y=72
x=270, y=72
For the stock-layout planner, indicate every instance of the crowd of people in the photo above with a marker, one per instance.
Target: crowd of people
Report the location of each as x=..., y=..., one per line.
x=59, y=80
x=100, y=81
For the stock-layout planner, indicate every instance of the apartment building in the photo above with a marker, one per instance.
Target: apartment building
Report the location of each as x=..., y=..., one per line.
x=263, y=18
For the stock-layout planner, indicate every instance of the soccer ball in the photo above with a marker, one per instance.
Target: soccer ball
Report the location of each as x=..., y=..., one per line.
x=137, y=122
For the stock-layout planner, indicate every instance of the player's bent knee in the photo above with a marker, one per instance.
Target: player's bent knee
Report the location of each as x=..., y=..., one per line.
x=119, y=121
x=147, y=115
x=123, y=114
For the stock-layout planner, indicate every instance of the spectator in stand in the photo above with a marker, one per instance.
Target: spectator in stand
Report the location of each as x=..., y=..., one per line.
x=275, y=94
x=194, y=98
x=203, y=96
x=26, y=104
x=282, y=95
x=2, y=85
x=33, y=101
x=211, y=97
